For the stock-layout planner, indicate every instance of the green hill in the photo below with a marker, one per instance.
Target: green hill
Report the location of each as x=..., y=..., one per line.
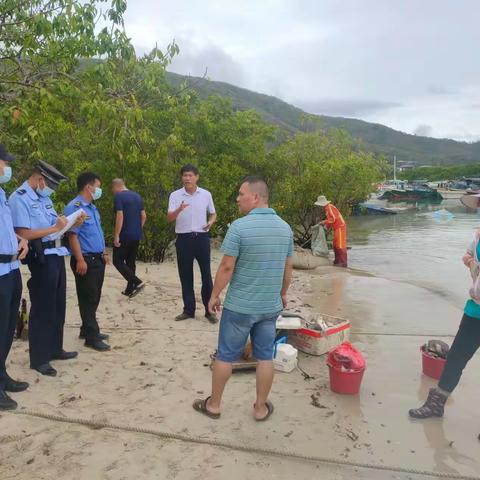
x=376, y=137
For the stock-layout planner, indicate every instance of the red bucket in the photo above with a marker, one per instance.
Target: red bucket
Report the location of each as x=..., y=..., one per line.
x=432, y=367
x=346, y=383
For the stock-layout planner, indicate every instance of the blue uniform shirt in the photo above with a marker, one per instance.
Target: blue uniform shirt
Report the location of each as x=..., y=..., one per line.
x=90, y=233
x=30, y=210
x=8, y=239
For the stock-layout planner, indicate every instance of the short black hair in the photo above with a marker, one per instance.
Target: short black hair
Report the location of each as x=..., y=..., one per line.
x=86, y=178
x=189, y=168
x=258, y=184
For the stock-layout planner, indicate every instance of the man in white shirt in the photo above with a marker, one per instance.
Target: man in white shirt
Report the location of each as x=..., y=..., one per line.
x=194, y=213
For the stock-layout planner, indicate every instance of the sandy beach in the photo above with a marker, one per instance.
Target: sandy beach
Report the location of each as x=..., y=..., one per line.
x=158, y=366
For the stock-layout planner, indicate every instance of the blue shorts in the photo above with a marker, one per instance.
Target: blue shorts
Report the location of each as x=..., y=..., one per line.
x=235, y=329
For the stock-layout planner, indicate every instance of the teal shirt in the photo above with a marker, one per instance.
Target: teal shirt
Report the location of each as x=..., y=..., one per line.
x=261, y=242
x=472, y=309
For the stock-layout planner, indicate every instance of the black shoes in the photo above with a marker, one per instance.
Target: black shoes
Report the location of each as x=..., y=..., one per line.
x=46, y=369
x=98, y=345
x=211, y=318
x=6, y=403
x=137, y=289
x=183, y=316
x=13, y=386
x=63, y=355
x=101, y=336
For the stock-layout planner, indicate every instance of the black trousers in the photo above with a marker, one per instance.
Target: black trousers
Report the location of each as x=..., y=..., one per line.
x=191, y=247
x=466, y=343
x=89, y=292
x=10, y=296
x=124, y=258
x=48, y=290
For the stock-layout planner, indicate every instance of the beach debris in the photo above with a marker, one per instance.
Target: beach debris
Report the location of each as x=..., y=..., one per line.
x=315, y=401
x=306, y=376
x=70, y=399
x=436, y=349
x=352, y=435
x=287, y=435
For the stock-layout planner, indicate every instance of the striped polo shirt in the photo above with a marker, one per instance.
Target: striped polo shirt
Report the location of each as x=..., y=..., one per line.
x=261, y=241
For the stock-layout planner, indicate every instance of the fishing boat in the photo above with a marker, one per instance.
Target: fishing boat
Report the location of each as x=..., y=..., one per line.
x=367, y=208
x=402, y=191
x=451, y=194
x=411, y=193
x=452, y=190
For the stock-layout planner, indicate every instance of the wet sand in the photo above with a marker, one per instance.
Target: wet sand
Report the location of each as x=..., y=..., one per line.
x=158, y=366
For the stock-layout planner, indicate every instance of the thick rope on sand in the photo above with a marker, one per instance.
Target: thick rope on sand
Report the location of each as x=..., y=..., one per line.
x=239, y=446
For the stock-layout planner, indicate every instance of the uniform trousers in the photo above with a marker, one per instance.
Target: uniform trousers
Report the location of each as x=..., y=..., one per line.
x=10, y=296
x=89, y=292
x=47, y=287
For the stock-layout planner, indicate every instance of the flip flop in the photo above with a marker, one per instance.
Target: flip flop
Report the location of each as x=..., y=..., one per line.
x=201, y=406
x=270, y=409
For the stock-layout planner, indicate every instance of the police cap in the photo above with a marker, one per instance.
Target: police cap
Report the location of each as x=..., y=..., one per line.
x=4, y=155
x=52, y=176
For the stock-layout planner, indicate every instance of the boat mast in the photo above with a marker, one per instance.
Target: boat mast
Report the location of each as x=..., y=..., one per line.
x=394, y=168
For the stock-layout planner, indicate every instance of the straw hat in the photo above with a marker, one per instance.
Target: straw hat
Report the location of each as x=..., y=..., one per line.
x=471, y=201
x=322, y=201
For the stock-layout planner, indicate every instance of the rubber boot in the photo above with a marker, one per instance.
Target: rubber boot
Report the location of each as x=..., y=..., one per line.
x=433, y=407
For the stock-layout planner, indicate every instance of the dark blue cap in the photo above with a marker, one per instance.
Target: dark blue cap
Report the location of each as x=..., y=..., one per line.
x=4, y=155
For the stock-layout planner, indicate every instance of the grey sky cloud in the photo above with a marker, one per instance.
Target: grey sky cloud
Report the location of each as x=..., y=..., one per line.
x=210, y=60
x=344, y=107
x=423, y=130
x=363, y=59
x=437, y=90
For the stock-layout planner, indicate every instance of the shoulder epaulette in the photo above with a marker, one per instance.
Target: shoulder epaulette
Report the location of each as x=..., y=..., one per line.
x=21, y=191
x=76, y=204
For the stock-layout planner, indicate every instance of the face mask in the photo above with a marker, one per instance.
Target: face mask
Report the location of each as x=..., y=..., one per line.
x=7, y=175
x=97, y=193
x=45, y=192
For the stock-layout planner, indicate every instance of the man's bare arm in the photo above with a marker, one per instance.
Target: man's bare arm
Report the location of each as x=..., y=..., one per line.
x=287, y=280
x=222, y=278
x=171, y=216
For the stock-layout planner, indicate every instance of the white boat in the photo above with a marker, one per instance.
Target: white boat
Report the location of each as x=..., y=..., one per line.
x=448, y=194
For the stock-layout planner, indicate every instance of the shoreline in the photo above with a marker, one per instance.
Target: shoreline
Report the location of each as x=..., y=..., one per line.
x=158, y=366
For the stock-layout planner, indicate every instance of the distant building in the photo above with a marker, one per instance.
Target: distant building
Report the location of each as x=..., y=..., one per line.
x=406, y=166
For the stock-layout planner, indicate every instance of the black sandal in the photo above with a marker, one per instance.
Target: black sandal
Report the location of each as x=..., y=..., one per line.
x=270, y=409
x=201, y=406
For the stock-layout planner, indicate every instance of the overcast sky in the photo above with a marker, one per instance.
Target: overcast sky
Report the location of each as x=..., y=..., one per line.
x=410, y=64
